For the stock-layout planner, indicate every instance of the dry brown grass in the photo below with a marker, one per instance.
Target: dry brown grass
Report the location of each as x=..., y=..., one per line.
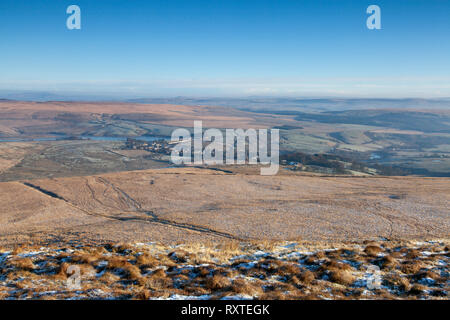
x=389, y=262
x=155, y=271
x=146, y=260
x=342, y=277
x=417, y=289
x=121, y=265
x=144, y=295
x=307, y=277
x=395, y=280
x=428, y=274
x=413, y=253
x=336, y=265
x=217, y=282
x=411, y=267
x=373, y=250
x=49, y=217
x=158, y=280
x=109, y=278
x=288, y=269
x=25, y=264
x=88, y=258
x=241, y=286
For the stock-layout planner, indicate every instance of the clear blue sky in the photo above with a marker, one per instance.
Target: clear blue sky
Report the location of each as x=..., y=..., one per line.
x=227, y=47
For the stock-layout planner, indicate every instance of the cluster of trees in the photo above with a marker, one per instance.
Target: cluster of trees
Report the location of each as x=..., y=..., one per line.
x=340, y=164
x=322, y=160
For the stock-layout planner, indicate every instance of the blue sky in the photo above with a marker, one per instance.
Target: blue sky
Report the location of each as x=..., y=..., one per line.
x=227, y=47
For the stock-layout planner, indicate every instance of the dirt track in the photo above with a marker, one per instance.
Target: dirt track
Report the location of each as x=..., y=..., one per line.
x=173, y=205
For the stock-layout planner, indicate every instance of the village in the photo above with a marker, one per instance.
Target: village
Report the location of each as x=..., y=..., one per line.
x=158, y=146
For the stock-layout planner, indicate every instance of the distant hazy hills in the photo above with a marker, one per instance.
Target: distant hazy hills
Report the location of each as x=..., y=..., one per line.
x=422, y=121
x=301, y=104
x=247, y=103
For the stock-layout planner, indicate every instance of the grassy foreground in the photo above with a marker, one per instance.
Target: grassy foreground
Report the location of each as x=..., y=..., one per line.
x=231, y=270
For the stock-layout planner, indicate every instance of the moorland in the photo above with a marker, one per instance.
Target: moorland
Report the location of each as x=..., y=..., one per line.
x=356, y=189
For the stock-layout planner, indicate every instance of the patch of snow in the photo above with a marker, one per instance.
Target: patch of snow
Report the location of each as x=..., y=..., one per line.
x=30, y=254
x=442, y=263
x=139, y=244
x=4, y=256
x=247, y=265
x=102, y=263
x=183, y=297
x=260, y=253
x=238, y=297
x=290, y=245
x=427, y=281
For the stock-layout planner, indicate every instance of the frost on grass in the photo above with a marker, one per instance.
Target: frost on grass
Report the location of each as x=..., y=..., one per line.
x=231, y=270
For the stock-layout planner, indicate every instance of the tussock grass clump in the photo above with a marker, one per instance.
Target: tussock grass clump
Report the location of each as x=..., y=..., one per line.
x=413, y=254
x=62, y=270
x=427, y=274
x=123, y=248
x=179, y=256
x=310, y=260
x=265, y=245
x=388, y=262
x=273, y=295
x=288, y=269
x=18, y=249
x=157, y=281
x=307, y=277
x=296, y=281
x=320, y=255
x=336, y=265
x=109, y=278
x=25, y=264
x=87, y=271
x=121, y=265
x=372, y=243
x=418, y=289
x=373, y=250
x=396, y=281
x=230, y=246
x=240, y=261
x=147, y=261
x=202, y=272
x=343, y=277
x=347, y=253
x=241, y=286
x=273, y=266
x=217, y=282
x=396, y=254
x=88, y=258
x=411, y=267
x=144, y=295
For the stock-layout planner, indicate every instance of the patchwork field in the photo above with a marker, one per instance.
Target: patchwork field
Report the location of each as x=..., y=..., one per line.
x=415, y=140
x=111, y=119
x=66, y=158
